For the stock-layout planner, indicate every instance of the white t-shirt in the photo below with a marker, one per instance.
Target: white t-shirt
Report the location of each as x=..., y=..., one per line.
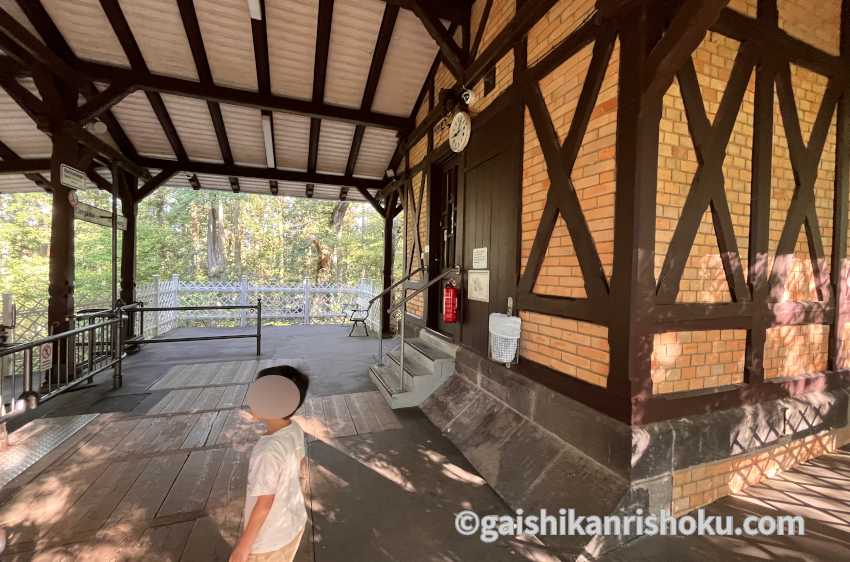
x=274, y=470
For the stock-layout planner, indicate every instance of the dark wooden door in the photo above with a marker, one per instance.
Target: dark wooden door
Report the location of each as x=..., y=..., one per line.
x=443, y=238
x=491, y=208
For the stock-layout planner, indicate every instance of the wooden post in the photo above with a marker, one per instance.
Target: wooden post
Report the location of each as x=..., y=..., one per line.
x=386, y=300
x=129, y=208
x=760, y=204
x=840, y=267
x=630, y=332
x=61, y=288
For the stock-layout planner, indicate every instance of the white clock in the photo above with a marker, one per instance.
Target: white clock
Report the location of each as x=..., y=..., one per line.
x=460, y=131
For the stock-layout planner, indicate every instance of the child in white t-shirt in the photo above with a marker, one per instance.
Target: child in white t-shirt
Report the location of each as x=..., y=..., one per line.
x=275, y=514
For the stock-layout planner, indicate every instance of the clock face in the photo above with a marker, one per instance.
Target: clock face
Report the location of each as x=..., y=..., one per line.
x=460, y=130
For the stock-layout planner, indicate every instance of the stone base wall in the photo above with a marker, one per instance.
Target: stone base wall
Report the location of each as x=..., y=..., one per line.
x=540, y=449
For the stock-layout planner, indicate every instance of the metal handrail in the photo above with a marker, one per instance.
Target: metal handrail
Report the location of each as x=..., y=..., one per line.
x=419, y=290
x=394, y=285
x=456, y=270
x=140, y=308
x=381, y=322
x=78, y=354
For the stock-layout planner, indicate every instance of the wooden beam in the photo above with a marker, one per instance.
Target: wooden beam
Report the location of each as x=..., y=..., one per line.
x=234, y=184
x=479, y=33
x=455, y=11
x=308, y=190
x=762, y=176
x=34, y=48
x=199, y=54
x=273, y=188
x=240, y=171
x=370, y=198
x=7, y=153
x=122, y=30
x=155, y=182
x=101, y=147
x=454, y=58
x=385, y=33
x=24, y=165
x=688, y=28
x=93, y=107
x=320, y=67
x=195, y=182
x=224, y=94
x=52, y=37
x=840, y=267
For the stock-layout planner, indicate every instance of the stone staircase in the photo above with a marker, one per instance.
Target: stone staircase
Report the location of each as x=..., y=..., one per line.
x=429, y=360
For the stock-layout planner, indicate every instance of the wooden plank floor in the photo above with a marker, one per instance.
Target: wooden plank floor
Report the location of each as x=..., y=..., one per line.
x=167, y=483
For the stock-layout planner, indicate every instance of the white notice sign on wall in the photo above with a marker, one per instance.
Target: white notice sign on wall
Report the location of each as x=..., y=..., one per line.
x=479, y=258
x=478, y=285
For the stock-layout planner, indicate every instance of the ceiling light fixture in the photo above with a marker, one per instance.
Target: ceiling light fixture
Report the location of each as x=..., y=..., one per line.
x=269, y=140
x=256, y=9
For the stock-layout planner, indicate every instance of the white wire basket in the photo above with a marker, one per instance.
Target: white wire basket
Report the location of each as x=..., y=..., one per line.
x=504, y=338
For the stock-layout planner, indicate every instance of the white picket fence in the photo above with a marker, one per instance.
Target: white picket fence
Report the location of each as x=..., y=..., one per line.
x=295, y=303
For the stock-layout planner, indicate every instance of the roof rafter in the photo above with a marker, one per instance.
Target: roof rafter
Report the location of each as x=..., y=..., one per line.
x=453, y=55
x=238, y=170
x=131, y=48
x=43, y=24
x=225, y=94
x=189, y=17
x=259, y=36
x=320, y=68
x=385, y=33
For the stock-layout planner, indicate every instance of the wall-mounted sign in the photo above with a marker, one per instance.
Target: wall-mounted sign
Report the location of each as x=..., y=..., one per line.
x=94, y=215
x=478, y=285
x=479, y=258
x=71, y=178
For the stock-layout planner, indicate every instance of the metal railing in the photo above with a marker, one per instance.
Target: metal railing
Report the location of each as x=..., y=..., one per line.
x=402, y=303
x=138, y=309
x=378, y=297
x=60, y=361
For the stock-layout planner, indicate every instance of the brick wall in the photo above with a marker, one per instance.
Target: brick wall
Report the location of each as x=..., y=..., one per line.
x=694, y=360
x=791, y=350
x=501, y=13
x=698, y=486
x=795, y=350
x=579, y=349
x=593, y=176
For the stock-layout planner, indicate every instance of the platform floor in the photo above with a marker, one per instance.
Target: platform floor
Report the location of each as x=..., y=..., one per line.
x=160, y=473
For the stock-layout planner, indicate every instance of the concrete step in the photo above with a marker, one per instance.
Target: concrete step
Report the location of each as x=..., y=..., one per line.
x=424, y=353
x=438, y=341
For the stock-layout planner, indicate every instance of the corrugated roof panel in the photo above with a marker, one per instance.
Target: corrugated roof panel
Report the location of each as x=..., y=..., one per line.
x=334, y=145
x=136, y=116
x=291, y=140
x=18, y=183
x=291, y=30
x=409, y=58
x=191, y=118
x=85, y=27
x=226, y=29
x=354, y=32
x=19, y=131
x=245, y=132
x=376, y=151
x=29, y=84
x=158, y=29
x=14, y=10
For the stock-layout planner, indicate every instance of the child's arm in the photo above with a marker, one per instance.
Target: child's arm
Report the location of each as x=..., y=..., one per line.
x=255, y=523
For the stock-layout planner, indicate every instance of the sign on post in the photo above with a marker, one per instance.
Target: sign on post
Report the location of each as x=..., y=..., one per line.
x=71, y=178
x=45, y=356
x=95, y=215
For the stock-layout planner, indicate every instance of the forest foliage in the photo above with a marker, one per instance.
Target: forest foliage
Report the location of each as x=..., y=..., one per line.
x=198, y=235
